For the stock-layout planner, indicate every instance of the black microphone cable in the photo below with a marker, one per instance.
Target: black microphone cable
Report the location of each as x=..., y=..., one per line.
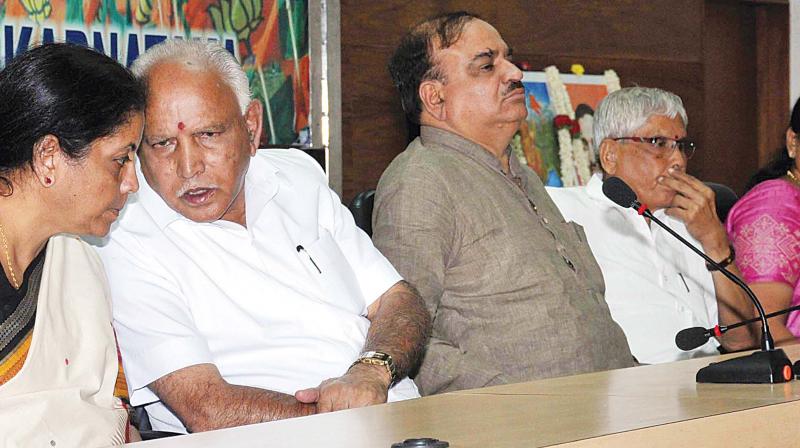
x=618, y=191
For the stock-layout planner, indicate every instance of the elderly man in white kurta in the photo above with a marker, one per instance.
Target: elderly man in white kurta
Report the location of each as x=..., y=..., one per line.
x=243, y=291
x=655, y=286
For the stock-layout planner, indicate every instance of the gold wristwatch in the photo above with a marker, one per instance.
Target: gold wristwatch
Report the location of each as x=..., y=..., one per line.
x=378, y=359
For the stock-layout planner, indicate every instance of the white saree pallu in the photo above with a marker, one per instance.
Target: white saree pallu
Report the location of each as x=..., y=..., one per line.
x=64, y=394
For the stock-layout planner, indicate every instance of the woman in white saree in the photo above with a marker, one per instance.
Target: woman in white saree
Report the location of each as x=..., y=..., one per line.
x=70, y=122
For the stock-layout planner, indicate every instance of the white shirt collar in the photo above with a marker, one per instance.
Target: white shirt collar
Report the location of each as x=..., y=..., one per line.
x=261, y=172
x=594, y=188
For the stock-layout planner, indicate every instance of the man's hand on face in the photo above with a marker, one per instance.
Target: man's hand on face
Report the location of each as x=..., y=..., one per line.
x=694, y=205
x=362, y=385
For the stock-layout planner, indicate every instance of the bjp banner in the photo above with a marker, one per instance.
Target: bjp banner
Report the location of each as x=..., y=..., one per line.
x=269, y=38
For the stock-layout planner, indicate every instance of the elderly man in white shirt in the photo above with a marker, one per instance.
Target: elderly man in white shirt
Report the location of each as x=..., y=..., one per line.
x=655, y=286
x=242, y=290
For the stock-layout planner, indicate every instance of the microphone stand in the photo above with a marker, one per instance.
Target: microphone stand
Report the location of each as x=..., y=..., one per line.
x=719, y=330
x=769, y=365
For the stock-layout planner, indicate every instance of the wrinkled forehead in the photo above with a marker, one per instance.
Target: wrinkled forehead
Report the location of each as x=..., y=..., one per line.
x=175, y=81
x=179, y=98
x=167, y=77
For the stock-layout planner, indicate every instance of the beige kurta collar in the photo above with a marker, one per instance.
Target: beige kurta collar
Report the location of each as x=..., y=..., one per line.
x=432, y=135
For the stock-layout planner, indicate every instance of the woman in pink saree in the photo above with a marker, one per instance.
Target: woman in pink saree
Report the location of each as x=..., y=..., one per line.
x=764, y=228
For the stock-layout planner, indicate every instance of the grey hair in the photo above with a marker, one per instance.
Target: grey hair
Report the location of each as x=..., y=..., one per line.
x=201, y=56
x=622, y=112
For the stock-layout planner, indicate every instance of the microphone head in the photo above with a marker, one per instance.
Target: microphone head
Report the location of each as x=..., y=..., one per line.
x=691, y=338
x=618, y=191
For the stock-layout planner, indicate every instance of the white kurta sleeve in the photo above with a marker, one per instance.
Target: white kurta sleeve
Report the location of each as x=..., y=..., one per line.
x=154, y=325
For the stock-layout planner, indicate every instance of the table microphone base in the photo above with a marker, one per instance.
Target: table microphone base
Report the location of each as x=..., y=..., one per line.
x=766, y=366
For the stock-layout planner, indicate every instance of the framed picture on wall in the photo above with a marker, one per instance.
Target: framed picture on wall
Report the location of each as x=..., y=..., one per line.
x=537, y=143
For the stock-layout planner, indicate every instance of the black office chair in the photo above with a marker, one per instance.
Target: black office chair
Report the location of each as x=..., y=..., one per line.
x=361, y=208
x=725, y=197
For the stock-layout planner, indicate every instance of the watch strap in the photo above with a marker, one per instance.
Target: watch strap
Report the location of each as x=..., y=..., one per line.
x=376, y=358
x=724, y=263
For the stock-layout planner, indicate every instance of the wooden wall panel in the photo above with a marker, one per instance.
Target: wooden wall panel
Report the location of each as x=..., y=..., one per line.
x=705, y=51
x=729, y=153
x=772, y=78
x=663, y=30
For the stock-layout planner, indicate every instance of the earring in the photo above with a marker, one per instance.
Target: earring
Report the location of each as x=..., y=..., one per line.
x=6, y=187
x=48, y=181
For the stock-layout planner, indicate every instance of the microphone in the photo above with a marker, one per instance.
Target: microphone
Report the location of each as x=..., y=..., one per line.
x=691, y=338
x=618, y=191
x=769, y=365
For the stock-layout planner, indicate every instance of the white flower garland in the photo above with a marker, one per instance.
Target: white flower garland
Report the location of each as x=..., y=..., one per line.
x=575, y=158
x=612, y=81
x=566, y=145
x=557, y=93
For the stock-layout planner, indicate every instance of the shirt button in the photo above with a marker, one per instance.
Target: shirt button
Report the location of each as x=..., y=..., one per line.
x=544, y=220
x=569, y=262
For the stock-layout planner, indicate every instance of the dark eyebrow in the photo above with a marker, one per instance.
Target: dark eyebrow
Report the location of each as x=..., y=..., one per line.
x=488, y=53
x=154, y=138
x=217, y=126
x=129, y=147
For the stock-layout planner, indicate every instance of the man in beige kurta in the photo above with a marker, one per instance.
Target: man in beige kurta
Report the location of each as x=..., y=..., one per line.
x=514, y=290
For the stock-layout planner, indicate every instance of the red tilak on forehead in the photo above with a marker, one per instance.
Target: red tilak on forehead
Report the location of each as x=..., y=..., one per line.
x=181, y=126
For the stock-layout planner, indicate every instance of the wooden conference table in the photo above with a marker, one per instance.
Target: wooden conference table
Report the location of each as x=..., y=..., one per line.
x=658, y=405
